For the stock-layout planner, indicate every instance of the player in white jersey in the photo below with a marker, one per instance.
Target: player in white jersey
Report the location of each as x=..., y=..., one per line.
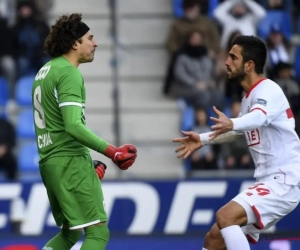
x=267, y=121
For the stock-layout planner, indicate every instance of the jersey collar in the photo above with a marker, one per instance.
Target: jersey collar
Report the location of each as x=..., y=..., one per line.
x=254, y=85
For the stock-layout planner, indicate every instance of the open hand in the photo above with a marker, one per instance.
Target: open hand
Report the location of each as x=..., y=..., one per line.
x=222, y=126
x=190, y=143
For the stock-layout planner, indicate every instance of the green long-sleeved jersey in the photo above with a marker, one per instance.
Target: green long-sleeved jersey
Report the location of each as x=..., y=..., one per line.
x=59, y=97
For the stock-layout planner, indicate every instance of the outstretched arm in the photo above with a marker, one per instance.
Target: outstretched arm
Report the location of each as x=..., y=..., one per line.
x=224, y=138
x=255, y=119
x=193, y=141
x=266, y=105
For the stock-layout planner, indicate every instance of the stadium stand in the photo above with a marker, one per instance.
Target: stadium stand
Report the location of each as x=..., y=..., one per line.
x=25, y=126
x=283, y=18
x=28, y=157
x=178, y=12
x=297, y=63
x=4, y=91
x=23, y=91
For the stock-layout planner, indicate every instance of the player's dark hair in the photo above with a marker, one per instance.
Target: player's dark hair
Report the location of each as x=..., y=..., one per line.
x=253, y=49
x=63, y=35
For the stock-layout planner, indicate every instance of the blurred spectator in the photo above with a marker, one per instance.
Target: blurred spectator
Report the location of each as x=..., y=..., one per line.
x=8, y=161
x=279, y=49
x=204, y=7
x=296, y=8
x=194, y=74
x=7, y=63
x=29, y=35
x=283, y=5
x=283, y=77
x=42, y=8
x=241, y=15
x=203, y=158
x=8, y=11
x=236, y=154
x=191, y=21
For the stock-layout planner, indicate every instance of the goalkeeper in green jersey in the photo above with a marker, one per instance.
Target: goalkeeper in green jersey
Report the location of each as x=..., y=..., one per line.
x=70, y=176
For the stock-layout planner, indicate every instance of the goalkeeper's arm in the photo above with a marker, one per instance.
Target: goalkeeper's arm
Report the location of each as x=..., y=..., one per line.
x=75, y=128
x=69, y=97
x=123, y=156
x=227, y=137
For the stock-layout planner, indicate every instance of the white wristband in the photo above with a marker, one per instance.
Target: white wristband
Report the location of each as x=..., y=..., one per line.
x=227, y=137
x=204, y=138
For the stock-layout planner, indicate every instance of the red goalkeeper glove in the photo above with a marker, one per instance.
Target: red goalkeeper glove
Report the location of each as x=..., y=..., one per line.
x=99, y=168
x=123, y=156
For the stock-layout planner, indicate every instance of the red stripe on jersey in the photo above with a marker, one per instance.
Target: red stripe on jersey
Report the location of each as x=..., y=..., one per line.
x=289, y=113
x=259, y=109
x=254, y=85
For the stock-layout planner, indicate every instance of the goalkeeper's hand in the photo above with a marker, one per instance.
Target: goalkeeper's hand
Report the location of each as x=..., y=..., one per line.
x=123, y=157
x=99, y=168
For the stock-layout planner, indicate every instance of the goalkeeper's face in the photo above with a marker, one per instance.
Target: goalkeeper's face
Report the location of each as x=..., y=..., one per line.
x=87, y=48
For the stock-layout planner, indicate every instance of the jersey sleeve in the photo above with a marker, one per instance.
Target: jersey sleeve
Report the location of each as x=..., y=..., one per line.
x=266, y=104
x=69, y=87
x=270, y=100
x=74, y=127
x=69, y=97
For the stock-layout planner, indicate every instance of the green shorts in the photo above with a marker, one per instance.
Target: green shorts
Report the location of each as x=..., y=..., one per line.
x=74, y=191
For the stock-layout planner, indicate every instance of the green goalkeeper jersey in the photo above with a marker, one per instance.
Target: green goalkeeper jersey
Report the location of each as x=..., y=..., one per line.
x=59, y=96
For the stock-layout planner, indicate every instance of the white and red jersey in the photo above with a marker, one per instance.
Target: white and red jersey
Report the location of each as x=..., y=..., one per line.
x=275, y=146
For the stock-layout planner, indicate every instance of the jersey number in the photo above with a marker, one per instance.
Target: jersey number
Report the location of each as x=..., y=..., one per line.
x=260, y=190
x=39, y=115
x=42, y=73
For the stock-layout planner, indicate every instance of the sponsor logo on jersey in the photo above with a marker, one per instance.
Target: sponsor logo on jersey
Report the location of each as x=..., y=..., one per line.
x=44, y=140
x=253, y=137
x=261, y=102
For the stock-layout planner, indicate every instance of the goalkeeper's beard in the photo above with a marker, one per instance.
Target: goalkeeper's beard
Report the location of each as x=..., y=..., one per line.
x=88, y=58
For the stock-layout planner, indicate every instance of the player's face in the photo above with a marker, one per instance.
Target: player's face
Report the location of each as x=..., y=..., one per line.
x=87, y=48
x=235, y=64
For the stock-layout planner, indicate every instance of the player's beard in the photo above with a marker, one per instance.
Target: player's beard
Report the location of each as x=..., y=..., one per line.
x=91, y=58
x=86, y=57
x=237, y=76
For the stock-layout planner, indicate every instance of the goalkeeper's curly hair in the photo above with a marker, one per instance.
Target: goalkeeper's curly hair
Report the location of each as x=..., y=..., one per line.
x=62, y=35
